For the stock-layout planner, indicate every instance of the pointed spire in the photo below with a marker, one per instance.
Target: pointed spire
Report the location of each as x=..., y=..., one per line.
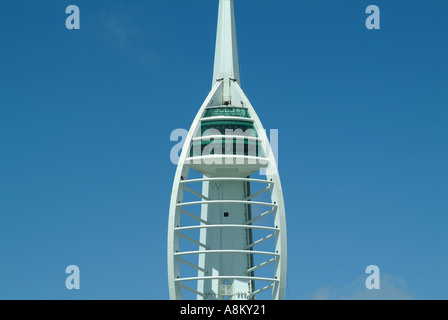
x=226, y=52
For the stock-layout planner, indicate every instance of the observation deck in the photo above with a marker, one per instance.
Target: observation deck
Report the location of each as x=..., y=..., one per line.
x=226, y=143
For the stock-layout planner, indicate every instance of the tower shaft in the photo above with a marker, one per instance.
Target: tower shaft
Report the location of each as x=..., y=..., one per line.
x=226, y=239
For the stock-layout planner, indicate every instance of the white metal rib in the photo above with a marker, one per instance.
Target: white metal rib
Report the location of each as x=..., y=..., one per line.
x=266, y=253
x=243, y=226
x=211, y=159
x=182, y=204
x=226, y=277
x=225, y=179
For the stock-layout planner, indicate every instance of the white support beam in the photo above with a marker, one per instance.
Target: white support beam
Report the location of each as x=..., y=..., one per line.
x=261, y=240
x=192, y=265
x=264, y=214
x=192, y=240
x=258, y=193
x=261, y=290
x=194, y=217
x=265, y=263
x=192, y=290
x=196, y=193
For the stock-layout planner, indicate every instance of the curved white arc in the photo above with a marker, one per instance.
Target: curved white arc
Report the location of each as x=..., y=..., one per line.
x=277, y=196
x=177, y=193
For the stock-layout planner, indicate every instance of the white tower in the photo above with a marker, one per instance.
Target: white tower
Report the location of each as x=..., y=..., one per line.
x=227, y=228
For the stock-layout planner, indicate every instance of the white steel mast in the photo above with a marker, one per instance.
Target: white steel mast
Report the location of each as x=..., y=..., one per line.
x=227, y=228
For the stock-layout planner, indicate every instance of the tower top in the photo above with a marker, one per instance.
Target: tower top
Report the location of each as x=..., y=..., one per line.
x=226, y=52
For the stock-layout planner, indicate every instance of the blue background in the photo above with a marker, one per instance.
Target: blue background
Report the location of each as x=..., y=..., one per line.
x=86, y=117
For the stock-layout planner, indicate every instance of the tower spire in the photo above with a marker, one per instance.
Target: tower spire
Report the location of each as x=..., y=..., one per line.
x=226, y=145
x=226, y=52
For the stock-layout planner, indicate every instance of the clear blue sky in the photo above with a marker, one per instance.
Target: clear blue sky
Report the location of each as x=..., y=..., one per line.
x=86, y=117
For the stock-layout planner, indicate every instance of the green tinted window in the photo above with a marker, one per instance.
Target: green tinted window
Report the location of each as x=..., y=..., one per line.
x=227, y=111
x=246, y=148
x=236, y=128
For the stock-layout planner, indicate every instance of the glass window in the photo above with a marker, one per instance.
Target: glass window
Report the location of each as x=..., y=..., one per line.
x=239, y=128
x=226, y=111
x=235, y=147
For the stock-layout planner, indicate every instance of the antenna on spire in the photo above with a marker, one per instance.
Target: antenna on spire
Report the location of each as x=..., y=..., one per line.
x=226, y=53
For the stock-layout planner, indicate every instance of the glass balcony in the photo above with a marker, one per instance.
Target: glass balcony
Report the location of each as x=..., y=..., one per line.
x=226, y=111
